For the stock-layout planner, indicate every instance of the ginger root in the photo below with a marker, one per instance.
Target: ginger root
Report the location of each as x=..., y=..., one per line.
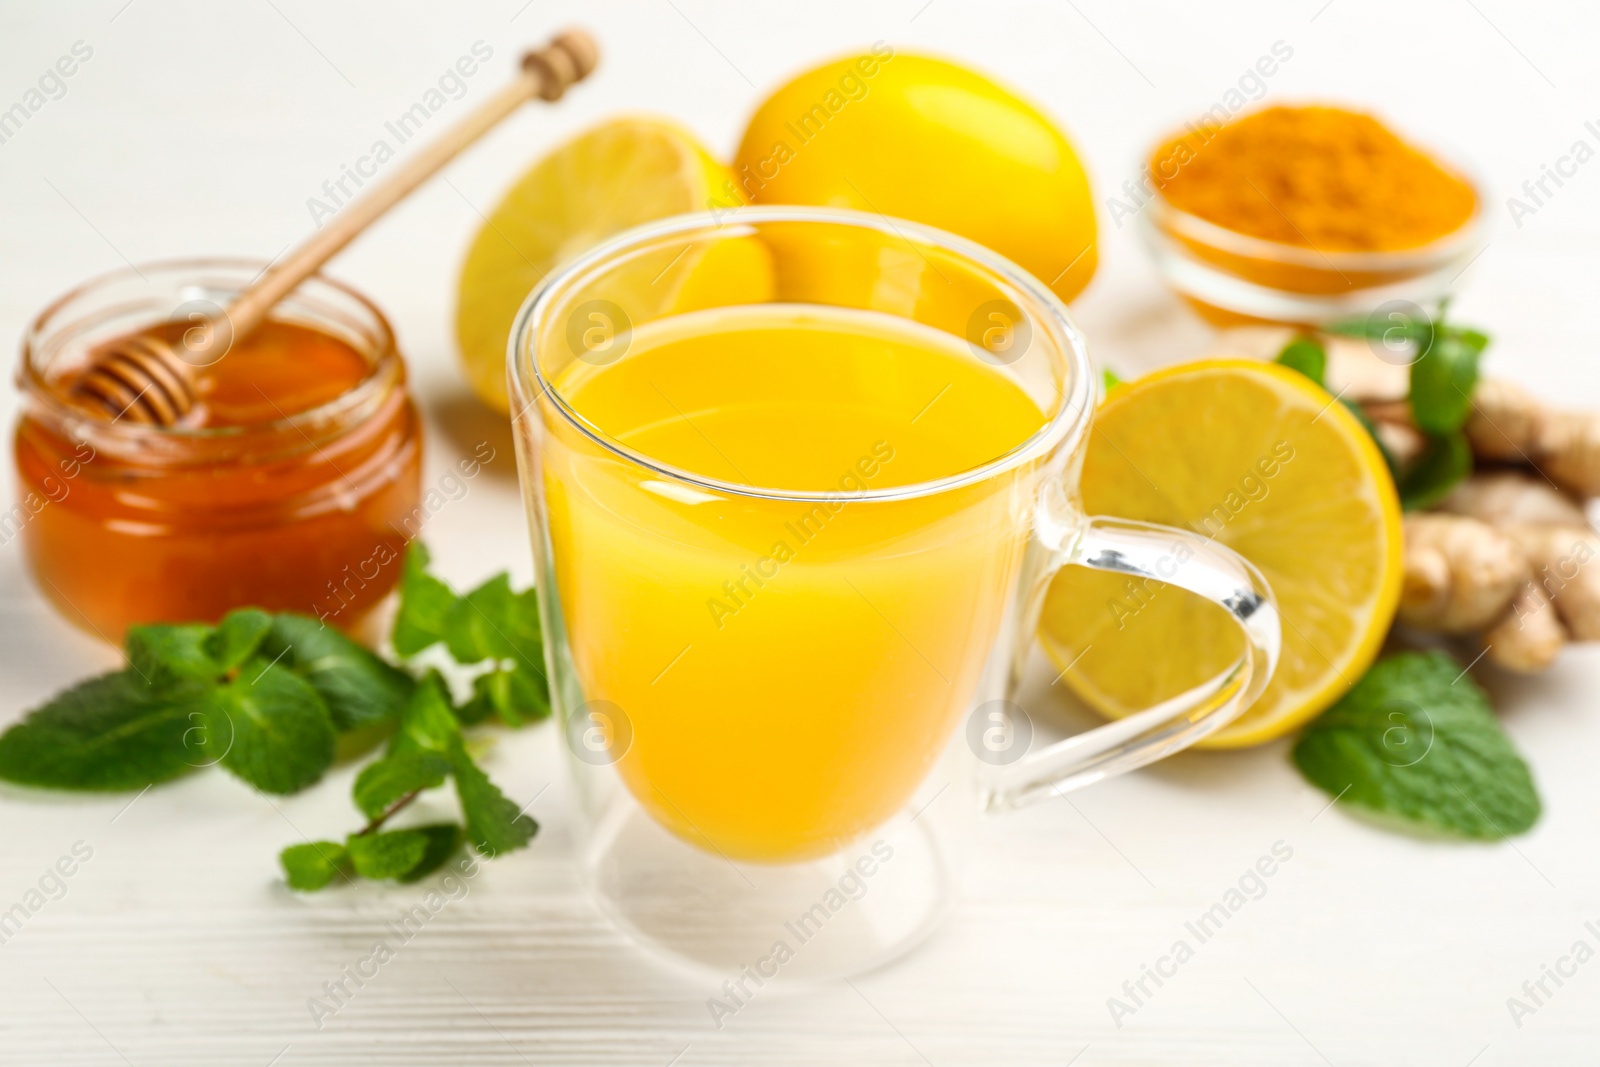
x=1458, y=570
x=1553, y=534
x=1460, y=573
x=1529, y=635
x=1562, y=562
x=1509, y=497
x=1507, y=555
x=1508, y=423
x=1403, y=441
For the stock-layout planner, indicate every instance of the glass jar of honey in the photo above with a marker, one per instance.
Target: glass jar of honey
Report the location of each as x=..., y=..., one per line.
x=293, y=485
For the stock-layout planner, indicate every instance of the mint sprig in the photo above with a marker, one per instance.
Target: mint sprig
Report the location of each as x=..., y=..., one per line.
x=269, y=727
x=388, y=781
x=106, y=734
x=443, y=839
x=1445, y=462
x=358, y=686
x=1443, y=375
x=164, y=654
x=490, y=628
x=386, y=855
x=494, y=823
x=195, y=695
x=314, y=864
x=237, y=637
x=425, y=603
x=495, y=632
x=427, y=748
x=272, y=698
x=1416, y=739
x=1304, y=354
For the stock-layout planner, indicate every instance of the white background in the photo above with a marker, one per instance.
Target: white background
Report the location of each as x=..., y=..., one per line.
x=202, y=128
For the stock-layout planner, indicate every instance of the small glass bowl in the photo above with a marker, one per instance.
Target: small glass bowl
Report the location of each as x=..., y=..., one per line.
x=1232, y=278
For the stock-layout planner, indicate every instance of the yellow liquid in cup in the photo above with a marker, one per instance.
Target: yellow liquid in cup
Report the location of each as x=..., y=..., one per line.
x=790, y=671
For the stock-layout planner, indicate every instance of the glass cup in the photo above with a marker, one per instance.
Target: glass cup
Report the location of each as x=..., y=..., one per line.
x=786, y=709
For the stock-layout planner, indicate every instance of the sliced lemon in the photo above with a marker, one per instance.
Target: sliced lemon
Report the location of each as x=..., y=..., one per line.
x=620, y=174
x=1260, y=458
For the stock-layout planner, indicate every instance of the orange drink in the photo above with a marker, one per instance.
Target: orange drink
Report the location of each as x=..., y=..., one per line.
x=789, y=670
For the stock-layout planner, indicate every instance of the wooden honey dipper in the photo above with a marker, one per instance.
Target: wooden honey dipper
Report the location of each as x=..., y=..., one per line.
x=144, y=379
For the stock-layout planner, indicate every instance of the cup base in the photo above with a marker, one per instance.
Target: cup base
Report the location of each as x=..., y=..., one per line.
x=760, y=926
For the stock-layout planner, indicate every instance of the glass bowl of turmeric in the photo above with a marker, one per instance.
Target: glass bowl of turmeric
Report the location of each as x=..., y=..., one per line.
x=1306, y=215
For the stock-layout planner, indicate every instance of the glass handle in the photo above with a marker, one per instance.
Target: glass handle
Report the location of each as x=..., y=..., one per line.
x=1182, y=559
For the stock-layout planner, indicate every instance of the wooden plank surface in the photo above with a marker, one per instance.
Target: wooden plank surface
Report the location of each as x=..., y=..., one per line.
x=198, y=128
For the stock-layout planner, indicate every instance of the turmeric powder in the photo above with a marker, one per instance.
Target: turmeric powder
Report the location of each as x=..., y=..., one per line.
x=1315, y=177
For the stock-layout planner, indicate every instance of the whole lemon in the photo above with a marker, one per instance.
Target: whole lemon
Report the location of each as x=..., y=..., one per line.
x=919, y=138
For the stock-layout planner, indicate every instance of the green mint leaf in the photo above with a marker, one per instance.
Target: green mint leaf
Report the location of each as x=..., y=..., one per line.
x=425, y=605
x=109, y=733
x=1416, y=738
x=386, y=780
x=495, y=825
x=494, y=623
x=427, y=723
x=1305, y=355
x=478, y=709
x=269, y=727
x=237, y=637
x=1394, y=331
x=1109, y=380
x=517, y=696
x=358, y=687
x=443, y=840
x=166, y=653
x=1445, y=463
x=1442, y=381
x=484, y=624
x=313, y=865
x=386, y=855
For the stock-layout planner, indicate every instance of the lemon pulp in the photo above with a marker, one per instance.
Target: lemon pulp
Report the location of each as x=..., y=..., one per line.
x=1271, y=466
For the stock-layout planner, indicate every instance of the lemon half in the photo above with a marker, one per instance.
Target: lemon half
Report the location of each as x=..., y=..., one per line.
x=1270, y=465
x=620, y=174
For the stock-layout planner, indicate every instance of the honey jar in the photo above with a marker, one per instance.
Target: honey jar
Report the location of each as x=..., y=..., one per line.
x=293, y=486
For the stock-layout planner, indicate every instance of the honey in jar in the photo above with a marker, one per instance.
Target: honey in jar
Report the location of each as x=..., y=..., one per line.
x=292, y=486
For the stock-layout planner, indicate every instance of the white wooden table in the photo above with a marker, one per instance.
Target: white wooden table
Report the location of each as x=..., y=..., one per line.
x=203, y=128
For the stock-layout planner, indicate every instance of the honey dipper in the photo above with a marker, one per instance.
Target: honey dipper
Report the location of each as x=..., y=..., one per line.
x=144, y=379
